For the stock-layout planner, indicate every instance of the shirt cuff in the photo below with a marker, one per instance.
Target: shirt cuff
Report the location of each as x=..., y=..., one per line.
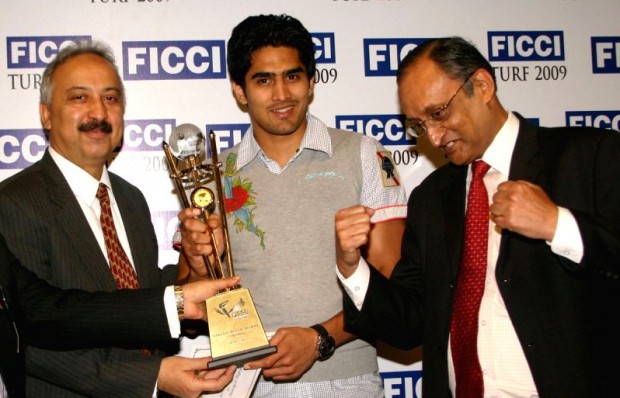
x=567, y=240
x=170, y=305
x=356, y=285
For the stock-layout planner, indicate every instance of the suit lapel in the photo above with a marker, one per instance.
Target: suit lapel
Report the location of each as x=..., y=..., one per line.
x=70, y=218
x=454, y=208
x=526, y=164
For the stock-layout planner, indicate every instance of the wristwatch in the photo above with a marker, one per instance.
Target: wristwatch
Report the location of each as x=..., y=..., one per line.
x=326, y=344
x=180, y=301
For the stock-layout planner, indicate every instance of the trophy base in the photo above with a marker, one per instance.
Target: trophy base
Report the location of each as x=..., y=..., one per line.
x=236, y=333
x=241, y=358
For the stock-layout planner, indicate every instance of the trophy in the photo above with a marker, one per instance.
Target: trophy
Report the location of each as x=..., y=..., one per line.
x=235, y=330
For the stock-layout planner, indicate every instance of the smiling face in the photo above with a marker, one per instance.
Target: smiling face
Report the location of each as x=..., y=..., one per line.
x=472, y=121
x=277, y=93
x=85, y=115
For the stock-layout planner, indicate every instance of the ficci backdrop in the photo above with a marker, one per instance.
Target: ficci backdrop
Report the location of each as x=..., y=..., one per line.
x=557, y=62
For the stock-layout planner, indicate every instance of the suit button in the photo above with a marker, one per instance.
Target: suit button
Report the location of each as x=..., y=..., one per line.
x=507, y=280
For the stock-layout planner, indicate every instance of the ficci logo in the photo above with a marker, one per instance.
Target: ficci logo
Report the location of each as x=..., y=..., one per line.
x=21, y=148
x=36, y=51
x=526, y=46
x=167, y=60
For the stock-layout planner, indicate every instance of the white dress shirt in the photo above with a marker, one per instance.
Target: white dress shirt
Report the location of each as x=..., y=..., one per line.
x=505, y=370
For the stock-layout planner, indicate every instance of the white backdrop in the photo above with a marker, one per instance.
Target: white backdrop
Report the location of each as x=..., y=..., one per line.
x=557, y=62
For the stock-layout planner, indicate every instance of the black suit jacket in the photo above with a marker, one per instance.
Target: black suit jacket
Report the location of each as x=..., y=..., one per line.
x=46, y=229
x=562, y=312
x=33, y=311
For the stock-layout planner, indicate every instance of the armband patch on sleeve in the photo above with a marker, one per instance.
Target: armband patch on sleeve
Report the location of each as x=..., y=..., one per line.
x=389, y=173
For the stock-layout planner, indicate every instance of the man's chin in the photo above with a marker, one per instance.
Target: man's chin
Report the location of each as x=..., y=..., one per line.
x=454, y=158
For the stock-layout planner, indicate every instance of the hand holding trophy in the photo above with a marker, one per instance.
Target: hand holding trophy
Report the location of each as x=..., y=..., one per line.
x=235, y=330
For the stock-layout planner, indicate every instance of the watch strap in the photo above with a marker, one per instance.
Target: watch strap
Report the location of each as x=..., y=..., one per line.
x=320, y=329
x=325, y=343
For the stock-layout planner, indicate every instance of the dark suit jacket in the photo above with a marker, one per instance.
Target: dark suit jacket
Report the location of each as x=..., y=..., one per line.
x=46, y=229
x=35, y=312
x=562, y=311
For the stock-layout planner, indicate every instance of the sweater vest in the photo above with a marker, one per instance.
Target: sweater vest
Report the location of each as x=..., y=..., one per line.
x=283, y=240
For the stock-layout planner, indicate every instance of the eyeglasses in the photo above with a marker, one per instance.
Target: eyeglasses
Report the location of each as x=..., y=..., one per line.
x=418, y=128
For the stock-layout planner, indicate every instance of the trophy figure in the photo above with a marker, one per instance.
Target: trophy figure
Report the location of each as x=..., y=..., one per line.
x=235, y=330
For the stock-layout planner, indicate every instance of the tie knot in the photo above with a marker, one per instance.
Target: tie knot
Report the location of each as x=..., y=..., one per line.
x=102, y=193
x=479, y=168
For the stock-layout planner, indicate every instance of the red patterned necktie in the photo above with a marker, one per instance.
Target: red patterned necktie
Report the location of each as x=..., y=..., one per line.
x=469, y=289
x=124, y=274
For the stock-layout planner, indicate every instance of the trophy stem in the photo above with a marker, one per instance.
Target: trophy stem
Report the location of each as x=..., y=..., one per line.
x=222, y=207
x=177, y=177
x=218, y=269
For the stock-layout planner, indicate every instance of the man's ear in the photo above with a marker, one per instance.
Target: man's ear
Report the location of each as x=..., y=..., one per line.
x=483, y=80
x=44, y=114
x=239, y=93
x=311, y=90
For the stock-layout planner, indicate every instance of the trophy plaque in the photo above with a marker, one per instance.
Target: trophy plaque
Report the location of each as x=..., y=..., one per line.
x=236, y=333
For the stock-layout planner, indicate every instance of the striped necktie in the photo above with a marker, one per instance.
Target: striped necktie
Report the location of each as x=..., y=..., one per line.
x=122, y=270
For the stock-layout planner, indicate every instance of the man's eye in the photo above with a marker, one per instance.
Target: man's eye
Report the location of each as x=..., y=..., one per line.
x=439, y=115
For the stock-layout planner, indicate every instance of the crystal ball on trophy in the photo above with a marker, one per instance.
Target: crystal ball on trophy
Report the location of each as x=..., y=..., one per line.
x=185, y=140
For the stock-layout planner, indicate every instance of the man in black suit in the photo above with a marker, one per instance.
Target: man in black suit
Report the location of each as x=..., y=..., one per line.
x=50, y=217
x=34, y=312
x=545, y=324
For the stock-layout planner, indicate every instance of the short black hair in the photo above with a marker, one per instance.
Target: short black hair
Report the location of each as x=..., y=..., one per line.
x=260, y=31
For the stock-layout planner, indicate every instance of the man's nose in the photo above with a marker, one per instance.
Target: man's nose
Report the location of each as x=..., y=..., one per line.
x=434, y=134
x=280, y=90
x=98, y=109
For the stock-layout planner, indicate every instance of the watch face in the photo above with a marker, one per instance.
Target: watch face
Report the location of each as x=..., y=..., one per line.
x=327, y=346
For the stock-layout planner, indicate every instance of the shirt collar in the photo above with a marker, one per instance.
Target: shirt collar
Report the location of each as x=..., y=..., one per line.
x=316, y=137
x=82, y=184
x=499, y=154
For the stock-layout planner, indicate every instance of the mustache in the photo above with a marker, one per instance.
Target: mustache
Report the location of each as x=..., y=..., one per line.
x=102, y=125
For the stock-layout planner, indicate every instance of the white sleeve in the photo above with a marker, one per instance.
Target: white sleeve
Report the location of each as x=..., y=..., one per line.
x=567, y=240
x=356, y=285
x=170, y=305
x=382, y=188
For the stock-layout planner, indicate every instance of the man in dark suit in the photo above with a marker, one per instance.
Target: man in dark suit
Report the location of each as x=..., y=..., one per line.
x=49, y=215
x=544, y=326
x=46, y=316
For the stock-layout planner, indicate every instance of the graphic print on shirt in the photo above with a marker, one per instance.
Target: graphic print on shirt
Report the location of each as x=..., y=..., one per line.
x=239, y=199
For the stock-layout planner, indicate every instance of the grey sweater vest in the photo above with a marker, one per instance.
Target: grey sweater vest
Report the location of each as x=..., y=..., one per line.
x=292, y=278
